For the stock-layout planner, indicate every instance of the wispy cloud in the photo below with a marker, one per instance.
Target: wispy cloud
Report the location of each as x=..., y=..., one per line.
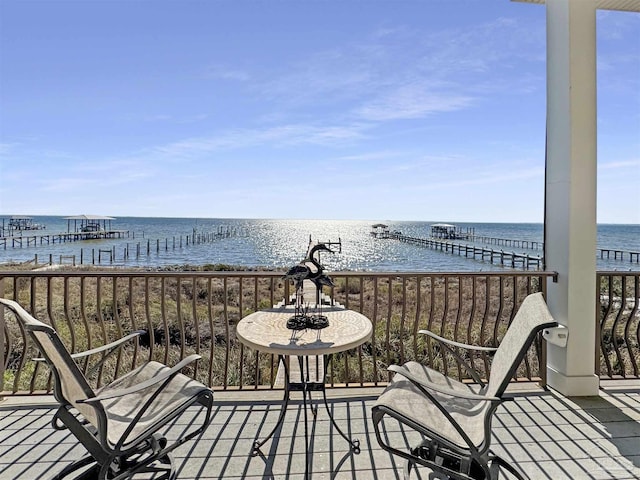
x=219, y=72
x=613, y=25
x=63, y=184
x=371, y=156
x=397, y=73
x=164, y=117
x=98, y=175
x=486, y=178
x=619, y=165
x=284, y=135
x=412, y=101
x=5, y=148
x=157, y=118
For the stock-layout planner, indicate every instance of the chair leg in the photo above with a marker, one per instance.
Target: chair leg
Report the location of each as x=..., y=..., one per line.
x=78, y=464
x=497, y=463
x=162, y=468
x=407, y=469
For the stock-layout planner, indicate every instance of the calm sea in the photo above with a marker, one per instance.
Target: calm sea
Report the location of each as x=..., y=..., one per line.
x=282, y=243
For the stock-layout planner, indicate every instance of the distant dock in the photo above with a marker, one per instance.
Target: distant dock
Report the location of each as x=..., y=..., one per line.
x=619, y=254
x=18, y=223
x=85, y=227
x=125, y=252
x=36, y=239
x=513, y=259
x=522, y=260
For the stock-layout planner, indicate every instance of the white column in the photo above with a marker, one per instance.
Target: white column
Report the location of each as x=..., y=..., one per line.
x=570, y=206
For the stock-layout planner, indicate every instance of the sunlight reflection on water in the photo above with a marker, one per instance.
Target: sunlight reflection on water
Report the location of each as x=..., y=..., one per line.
x=282, y=243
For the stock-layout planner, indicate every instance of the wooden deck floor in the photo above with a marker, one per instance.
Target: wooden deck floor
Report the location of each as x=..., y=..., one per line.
x=547, y=435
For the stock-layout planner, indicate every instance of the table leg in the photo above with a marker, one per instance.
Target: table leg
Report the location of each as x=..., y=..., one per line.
x=285, y=403
x=306, y=387
x=304, y=380
x=355, y=443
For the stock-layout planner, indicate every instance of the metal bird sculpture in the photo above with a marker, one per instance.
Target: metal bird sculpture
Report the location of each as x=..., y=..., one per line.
x=317, y=275
x=309, y=269
x=298, y=273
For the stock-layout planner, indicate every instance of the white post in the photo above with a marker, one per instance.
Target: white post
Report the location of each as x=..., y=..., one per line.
x=570, y=205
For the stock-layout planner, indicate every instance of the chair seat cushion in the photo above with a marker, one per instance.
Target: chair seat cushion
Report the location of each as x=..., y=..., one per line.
x=405, y=399
x=121, y=411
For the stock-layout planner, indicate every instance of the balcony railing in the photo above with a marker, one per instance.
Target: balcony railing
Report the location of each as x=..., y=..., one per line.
x=196, y=312
x=618, y=325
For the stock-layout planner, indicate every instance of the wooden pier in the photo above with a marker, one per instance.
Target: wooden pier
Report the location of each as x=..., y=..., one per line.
x=513, y=259
x=522, y=260
x=507, y=242
x=124, y=252
x=34, y=240
x=608, y=253
x=634, y=257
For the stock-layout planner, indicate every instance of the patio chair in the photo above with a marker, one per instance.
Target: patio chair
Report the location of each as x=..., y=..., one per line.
x=453, y=418
x=120, y=424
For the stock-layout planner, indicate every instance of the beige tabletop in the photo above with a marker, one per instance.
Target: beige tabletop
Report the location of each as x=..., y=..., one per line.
x=267, y=331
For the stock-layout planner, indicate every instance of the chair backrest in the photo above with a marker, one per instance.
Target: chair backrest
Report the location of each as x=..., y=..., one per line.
x=532, y=316
x=70, y=383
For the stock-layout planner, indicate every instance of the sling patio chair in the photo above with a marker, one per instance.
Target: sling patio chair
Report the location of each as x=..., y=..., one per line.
x=119, y=424
x=452, y=417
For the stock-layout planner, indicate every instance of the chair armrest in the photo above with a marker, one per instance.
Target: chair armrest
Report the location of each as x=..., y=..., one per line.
x=439, y=388
x=451, y=346
x=146, y=384
x=103, y=348
x=457, y=344
x=108, y=346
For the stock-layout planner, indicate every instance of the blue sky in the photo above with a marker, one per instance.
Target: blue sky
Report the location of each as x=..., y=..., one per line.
x=328, y=109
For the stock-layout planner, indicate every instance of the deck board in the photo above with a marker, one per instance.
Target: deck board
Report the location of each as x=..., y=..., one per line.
x=547, y=435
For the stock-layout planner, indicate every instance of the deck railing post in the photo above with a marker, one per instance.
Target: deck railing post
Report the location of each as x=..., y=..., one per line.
x=2, y=329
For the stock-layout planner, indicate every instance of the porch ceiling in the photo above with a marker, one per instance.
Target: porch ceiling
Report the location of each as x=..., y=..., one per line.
x=622, y=5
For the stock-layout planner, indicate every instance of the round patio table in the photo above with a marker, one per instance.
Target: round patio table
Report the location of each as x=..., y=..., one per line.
x=267, y=331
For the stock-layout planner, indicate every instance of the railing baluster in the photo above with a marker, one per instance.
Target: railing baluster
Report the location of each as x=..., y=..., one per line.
x=389, y=318
x=179, y=319
x=374, y=339
x=196, y=323
x=443, y=323
x=49, y=297
x=416, y=318
x=133, y=322
x=212, y=348
x=227, y=337
x=65, y=303
x=241, y=372
x=163, y=310
x=456, y=328
x=634, y=315
x=116, y=320
x=615, y=338
x=627, y=328
x=83, y=314
x=403, y=319
x=485, y=316
x=147, y=313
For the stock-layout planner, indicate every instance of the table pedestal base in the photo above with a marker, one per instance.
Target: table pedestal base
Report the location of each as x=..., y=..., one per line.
x=306, y=387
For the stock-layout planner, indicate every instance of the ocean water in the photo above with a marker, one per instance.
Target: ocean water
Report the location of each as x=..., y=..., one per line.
x=282, y=243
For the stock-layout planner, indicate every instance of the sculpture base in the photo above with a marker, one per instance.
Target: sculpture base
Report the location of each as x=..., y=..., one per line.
x=297, y=322
x=317, y=322
x=303, y=322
